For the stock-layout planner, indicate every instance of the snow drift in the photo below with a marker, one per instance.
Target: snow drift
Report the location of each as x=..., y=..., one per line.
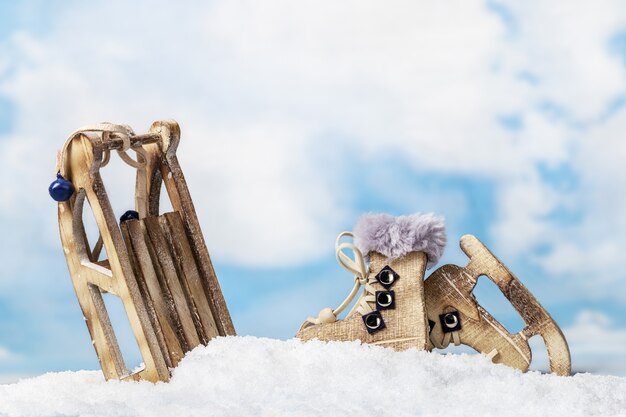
x=247, y=376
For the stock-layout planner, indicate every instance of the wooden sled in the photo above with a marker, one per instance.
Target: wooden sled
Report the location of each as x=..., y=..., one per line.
x=158, y=264
x=455, y=316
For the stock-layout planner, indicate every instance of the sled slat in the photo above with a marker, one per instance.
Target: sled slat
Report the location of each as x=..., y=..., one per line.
x=195, y=317
x=170, y=302
x=164, y=258
x=152, y=293
x=173, y=227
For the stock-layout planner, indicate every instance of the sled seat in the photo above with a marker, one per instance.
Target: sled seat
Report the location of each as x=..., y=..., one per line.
x=170, y=284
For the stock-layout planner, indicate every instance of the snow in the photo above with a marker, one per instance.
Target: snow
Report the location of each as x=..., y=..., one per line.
x=248, y=376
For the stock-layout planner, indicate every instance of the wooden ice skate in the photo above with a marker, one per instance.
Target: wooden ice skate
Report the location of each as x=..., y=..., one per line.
x=455, y=316
x=158, y=264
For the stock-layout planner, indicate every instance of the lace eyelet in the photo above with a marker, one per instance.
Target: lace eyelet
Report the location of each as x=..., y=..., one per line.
x=373, y=322
x=385, y=300
x=387, y=277
x=450, y=322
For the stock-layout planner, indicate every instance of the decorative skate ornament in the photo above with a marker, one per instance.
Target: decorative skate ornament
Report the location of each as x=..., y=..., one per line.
x=390, y=256
x=158, y=264
x=455, y=316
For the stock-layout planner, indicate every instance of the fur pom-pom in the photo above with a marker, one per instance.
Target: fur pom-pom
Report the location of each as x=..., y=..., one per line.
x=394, y=237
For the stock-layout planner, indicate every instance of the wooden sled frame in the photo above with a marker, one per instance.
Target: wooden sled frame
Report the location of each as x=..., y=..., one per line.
x=448, y=292
x=158, y=266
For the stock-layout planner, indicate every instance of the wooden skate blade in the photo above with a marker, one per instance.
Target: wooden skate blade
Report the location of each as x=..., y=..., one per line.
x=450, y=288
x=537, y=319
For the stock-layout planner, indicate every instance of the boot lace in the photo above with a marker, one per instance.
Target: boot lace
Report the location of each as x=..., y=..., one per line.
x=357, y=266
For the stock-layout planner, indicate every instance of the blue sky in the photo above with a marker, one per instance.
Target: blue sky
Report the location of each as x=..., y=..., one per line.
x=296, y=117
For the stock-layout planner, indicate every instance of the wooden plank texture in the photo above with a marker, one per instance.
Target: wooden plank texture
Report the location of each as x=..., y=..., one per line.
x=173, y=228
x=171, y=279
x=151, y=292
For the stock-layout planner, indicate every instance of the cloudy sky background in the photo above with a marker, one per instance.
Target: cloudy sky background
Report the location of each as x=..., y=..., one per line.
x=506, y=118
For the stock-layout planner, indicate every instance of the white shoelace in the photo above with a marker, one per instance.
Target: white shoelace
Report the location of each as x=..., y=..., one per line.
x=360, y=269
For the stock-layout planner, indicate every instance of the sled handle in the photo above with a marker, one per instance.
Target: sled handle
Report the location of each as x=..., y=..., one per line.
x=538, y=321
x=114, y=136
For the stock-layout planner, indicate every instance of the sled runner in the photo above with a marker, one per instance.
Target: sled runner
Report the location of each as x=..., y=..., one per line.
x=158, y=264
x=455, y=316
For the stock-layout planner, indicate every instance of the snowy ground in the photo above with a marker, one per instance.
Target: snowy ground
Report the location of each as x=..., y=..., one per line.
x=247, y=376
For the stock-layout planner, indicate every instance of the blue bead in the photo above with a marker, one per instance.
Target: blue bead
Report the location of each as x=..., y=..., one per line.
x=129, y=215
x=61, y=189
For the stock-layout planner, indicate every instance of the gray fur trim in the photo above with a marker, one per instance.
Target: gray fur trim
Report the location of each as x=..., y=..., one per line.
x=394, y=237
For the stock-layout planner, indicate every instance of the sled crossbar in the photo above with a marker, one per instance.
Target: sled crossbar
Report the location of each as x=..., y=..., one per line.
x=135, y=141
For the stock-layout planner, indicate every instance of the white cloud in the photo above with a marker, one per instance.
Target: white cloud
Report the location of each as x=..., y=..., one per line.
x=6, y=355
x=566, y=45
x=597, y=343
x=586, y=253
x=259, y=89
x=268, y=93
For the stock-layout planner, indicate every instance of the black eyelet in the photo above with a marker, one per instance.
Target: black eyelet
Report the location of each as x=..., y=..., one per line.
x=450, y=322
x=385, y=300
x=373, y=322
x=387, y=277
